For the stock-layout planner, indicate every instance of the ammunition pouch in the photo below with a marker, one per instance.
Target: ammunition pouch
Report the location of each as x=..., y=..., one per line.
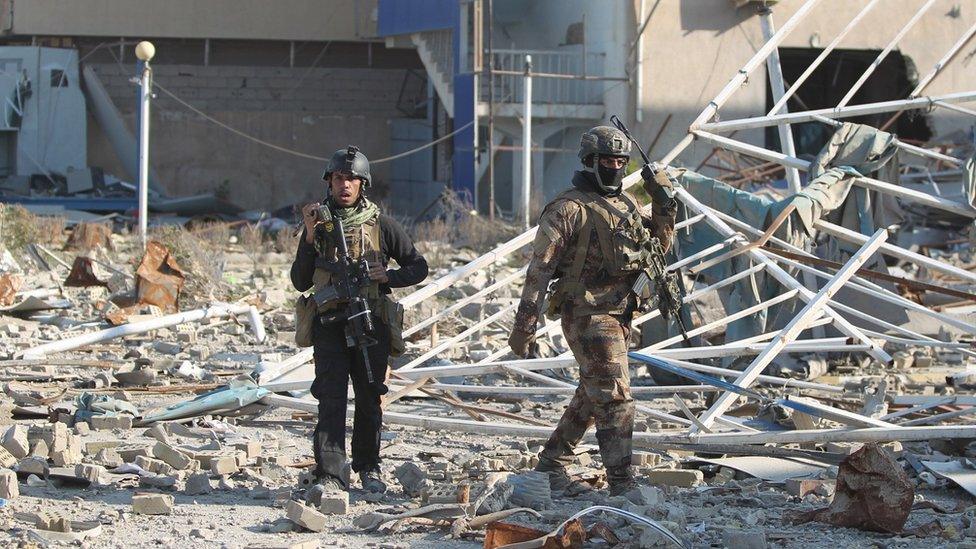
x=390, y=313
x=305, y=314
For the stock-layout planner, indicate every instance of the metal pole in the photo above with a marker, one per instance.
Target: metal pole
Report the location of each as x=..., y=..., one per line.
x=491, y=118
x=144, y=151
x=884, y=53
x=639, y=74
x=739, y=78
x=836, y=113
x=527, y=144
x=823, y=55
x=776, y=84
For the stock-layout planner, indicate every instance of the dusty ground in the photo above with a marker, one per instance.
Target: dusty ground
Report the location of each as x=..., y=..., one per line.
x=244, y=507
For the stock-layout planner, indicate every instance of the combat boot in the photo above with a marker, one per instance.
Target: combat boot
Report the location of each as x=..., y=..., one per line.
x=621, y=480
x=371, y=482
x=559, y=480
x=324, y=486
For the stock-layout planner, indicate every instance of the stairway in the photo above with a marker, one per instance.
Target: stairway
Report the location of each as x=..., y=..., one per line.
x=436, y=51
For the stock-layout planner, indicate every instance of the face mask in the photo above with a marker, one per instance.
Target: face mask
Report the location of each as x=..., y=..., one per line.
x=609, y=180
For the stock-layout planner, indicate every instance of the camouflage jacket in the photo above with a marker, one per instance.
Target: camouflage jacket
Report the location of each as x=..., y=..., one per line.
x=555, y=245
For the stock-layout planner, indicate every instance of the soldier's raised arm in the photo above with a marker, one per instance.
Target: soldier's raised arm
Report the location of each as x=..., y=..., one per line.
x=558, y=226
x=664, y=208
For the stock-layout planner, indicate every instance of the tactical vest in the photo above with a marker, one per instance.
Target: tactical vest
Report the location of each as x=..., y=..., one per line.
x=362, y=241
x=620, y=235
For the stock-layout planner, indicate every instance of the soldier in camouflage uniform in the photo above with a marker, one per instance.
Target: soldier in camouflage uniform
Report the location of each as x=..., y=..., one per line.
x=589, y=241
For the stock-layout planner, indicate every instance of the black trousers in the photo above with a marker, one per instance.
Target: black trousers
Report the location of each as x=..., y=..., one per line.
x=335, y=364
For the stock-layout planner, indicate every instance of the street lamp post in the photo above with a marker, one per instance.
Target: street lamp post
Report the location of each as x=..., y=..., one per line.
x=145, y=52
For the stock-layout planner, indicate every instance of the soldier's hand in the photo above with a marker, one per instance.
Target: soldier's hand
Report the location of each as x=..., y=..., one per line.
x=377, y=273
x=520, y=342
x=657, y=185
x=310, y=216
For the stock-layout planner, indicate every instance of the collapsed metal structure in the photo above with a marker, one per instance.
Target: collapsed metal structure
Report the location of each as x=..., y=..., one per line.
x=807, y=289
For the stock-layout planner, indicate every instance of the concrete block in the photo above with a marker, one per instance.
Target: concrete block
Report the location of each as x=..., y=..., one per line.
x=151, y=464
x=306, y=517
x=39, y=449
x=106, y=423
x=152, y=504
x=6, y=458
x=251, y=448
x=54, y=434
x=923, y=362
x=82, y=428
x=645, y=459
x=171, y=455
x=157, y=432
x=198, y=484
x=93, y=473
x=65, y=457
x=108, y=457
x=96, y=446
x=684, y=478
x=9, y=489
x=226, y=465
x=129, y=452
x=412, y=478
x=35, y=465
x=334, y=502
x=52, y=521
x=16, y=442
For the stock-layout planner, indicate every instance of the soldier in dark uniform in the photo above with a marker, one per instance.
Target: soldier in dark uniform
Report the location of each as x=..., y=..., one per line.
x=590, y=242
x=378, y=238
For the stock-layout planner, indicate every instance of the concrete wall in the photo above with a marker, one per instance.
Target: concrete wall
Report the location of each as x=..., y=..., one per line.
x=250, y=19
x=692, y=49
x=311, y=110
x=51, y=134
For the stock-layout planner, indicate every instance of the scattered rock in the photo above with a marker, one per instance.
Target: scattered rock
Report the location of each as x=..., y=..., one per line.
x=152, y=504
x=9, y=489
x=306, y=517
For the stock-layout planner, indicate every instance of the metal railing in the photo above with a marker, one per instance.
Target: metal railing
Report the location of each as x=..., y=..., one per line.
x=509, y=88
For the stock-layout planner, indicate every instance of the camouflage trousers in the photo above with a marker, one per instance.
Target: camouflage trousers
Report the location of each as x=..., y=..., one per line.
x=599, y=343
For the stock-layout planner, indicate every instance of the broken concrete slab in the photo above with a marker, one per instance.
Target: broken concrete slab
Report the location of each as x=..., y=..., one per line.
x=16, y=442
x=306, y=517
x=9, y=489
x=152, y=504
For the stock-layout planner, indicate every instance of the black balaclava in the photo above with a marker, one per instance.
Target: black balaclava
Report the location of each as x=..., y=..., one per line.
x=609, y=181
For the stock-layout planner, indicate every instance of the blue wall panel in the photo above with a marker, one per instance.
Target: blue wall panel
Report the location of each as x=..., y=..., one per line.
x=408, y=16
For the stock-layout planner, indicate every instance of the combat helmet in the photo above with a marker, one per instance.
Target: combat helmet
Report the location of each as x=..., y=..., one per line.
x=349, y=160
x=604, y=141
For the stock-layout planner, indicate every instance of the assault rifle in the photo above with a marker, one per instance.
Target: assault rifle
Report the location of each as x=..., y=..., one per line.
x=349, y=279
x=669, y=294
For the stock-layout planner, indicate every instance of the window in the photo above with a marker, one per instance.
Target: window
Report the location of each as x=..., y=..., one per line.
x=58, y=79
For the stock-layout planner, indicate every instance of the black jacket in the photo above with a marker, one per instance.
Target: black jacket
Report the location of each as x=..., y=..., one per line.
x=394, y=243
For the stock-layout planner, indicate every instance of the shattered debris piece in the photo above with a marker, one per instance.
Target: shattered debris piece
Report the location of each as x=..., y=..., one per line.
x=306, y=517
x=873, y=493
x=152, y=504
x=9, y=489
x=684, y=478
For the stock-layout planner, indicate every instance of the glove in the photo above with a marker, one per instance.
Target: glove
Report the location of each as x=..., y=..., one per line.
x=655, y=181
x=658, y=186
x=520, y=342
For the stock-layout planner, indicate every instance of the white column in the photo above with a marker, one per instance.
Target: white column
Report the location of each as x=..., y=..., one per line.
x=144, y=151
